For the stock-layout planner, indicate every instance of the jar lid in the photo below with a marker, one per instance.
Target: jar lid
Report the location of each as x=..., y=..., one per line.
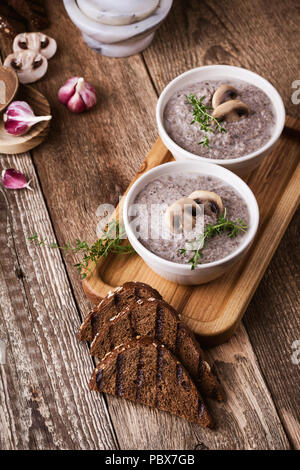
x=118, y=12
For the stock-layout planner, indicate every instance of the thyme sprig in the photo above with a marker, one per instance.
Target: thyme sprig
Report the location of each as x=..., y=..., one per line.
x=205, y=120
x=223, y=225
x=111, y=241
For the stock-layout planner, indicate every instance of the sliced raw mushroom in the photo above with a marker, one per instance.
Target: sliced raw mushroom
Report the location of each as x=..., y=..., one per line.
x=231, y=111
x=181, y=215
x=29, y=65
x=37, y=42
x=223, y=94
x=211, y=201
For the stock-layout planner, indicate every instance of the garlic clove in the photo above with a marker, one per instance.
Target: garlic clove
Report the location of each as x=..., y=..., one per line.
x=76, y=103
x=14, y=179
x=19, y=117
x=67, y=90
x=77, y=95
x=87, y=93
x=37, y=42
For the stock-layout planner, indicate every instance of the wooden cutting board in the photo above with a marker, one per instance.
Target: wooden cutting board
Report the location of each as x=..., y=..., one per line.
x=214, y=310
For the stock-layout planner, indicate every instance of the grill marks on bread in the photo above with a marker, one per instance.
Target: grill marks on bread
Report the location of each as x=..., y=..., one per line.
x=113, y=304
x=139, y=375
x=144, y=370
x=157, y=319
x=119, y=375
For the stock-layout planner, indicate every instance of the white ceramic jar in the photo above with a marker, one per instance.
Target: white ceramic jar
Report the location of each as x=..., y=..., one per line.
x=182, y=273
x=241, y=165
x=118, y=28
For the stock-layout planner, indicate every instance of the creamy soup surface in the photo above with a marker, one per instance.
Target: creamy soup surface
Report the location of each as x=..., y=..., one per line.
x=148, y=217
x=242, y=137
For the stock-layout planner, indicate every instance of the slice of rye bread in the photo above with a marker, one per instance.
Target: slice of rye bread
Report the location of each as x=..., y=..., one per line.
x=113, y=304
x=145, y=371
x=157, y=319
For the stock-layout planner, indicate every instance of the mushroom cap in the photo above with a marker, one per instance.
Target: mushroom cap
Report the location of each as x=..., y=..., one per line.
x=224, y=93
x=181, y=215
x=37, y=42
x=211, y=201
x=29, y=65
x=230, y=111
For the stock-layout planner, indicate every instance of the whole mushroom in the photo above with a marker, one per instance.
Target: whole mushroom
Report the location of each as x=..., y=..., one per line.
x=181, y=215
x=211, y=201
x=29, y=65
x=37, y=42
x=224, y=93
x=231, y=111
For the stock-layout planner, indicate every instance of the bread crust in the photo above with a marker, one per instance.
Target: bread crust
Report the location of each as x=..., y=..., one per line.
x=143, y=370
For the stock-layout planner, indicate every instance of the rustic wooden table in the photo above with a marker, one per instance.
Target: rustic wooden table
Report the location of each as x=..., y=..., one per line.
x=89, y=159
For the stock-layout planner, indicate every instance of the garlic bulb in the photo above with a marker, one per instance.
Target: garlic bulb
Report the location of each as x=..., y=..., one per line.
x=77, y=94
x=19, y=117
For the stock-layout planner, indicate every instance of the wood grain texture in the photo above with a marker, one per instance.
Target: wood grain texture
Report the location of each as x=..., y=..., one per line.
x=260, y=35
x=252, y=35
x=274, y=330
x=214, y=310
x=246, y=421
x=90, y=159
x=44, y=402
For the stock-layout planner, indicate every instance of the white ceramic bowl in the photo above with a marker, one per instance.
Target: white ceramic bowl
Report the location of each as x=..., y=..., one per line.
x=118, y=40
x=182, y=273
x=241, y=165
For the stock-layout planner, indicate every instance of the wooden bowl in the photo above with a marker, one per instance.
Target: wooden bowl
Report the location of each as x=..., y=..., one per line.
x=10, y=144
x=9, y=84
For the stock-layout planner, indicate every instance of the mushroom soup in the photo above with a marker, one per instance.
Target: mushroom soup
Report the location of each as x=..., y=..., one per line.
x=243, y=118
x=206, y=199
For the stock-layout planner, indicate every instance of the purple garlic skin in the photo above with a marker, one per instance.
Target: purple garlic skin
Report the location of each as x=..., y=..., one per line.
x=19, y=117
x=77, y=95
x=14, y=179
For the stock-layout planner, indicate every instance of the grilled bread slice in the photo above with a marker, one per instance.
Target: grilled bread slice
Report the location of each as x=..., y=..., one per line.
x=145, y=371
x=112, y=304
x=157, y=319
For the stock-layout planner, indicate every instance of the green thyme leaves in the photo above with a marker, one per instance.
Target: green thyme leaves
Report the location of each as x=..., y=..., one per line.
x=223, y=225
x=111, y=241
x=205, y=120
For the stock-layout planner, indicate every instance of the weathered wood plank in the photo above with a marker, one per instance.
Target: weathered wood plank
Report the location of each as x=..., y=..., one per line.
x=88, y=160
x=251, y=35
x=44, y=402
x=248, y=419
x=101, y=179
x=275, y=328
x=246, y=34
